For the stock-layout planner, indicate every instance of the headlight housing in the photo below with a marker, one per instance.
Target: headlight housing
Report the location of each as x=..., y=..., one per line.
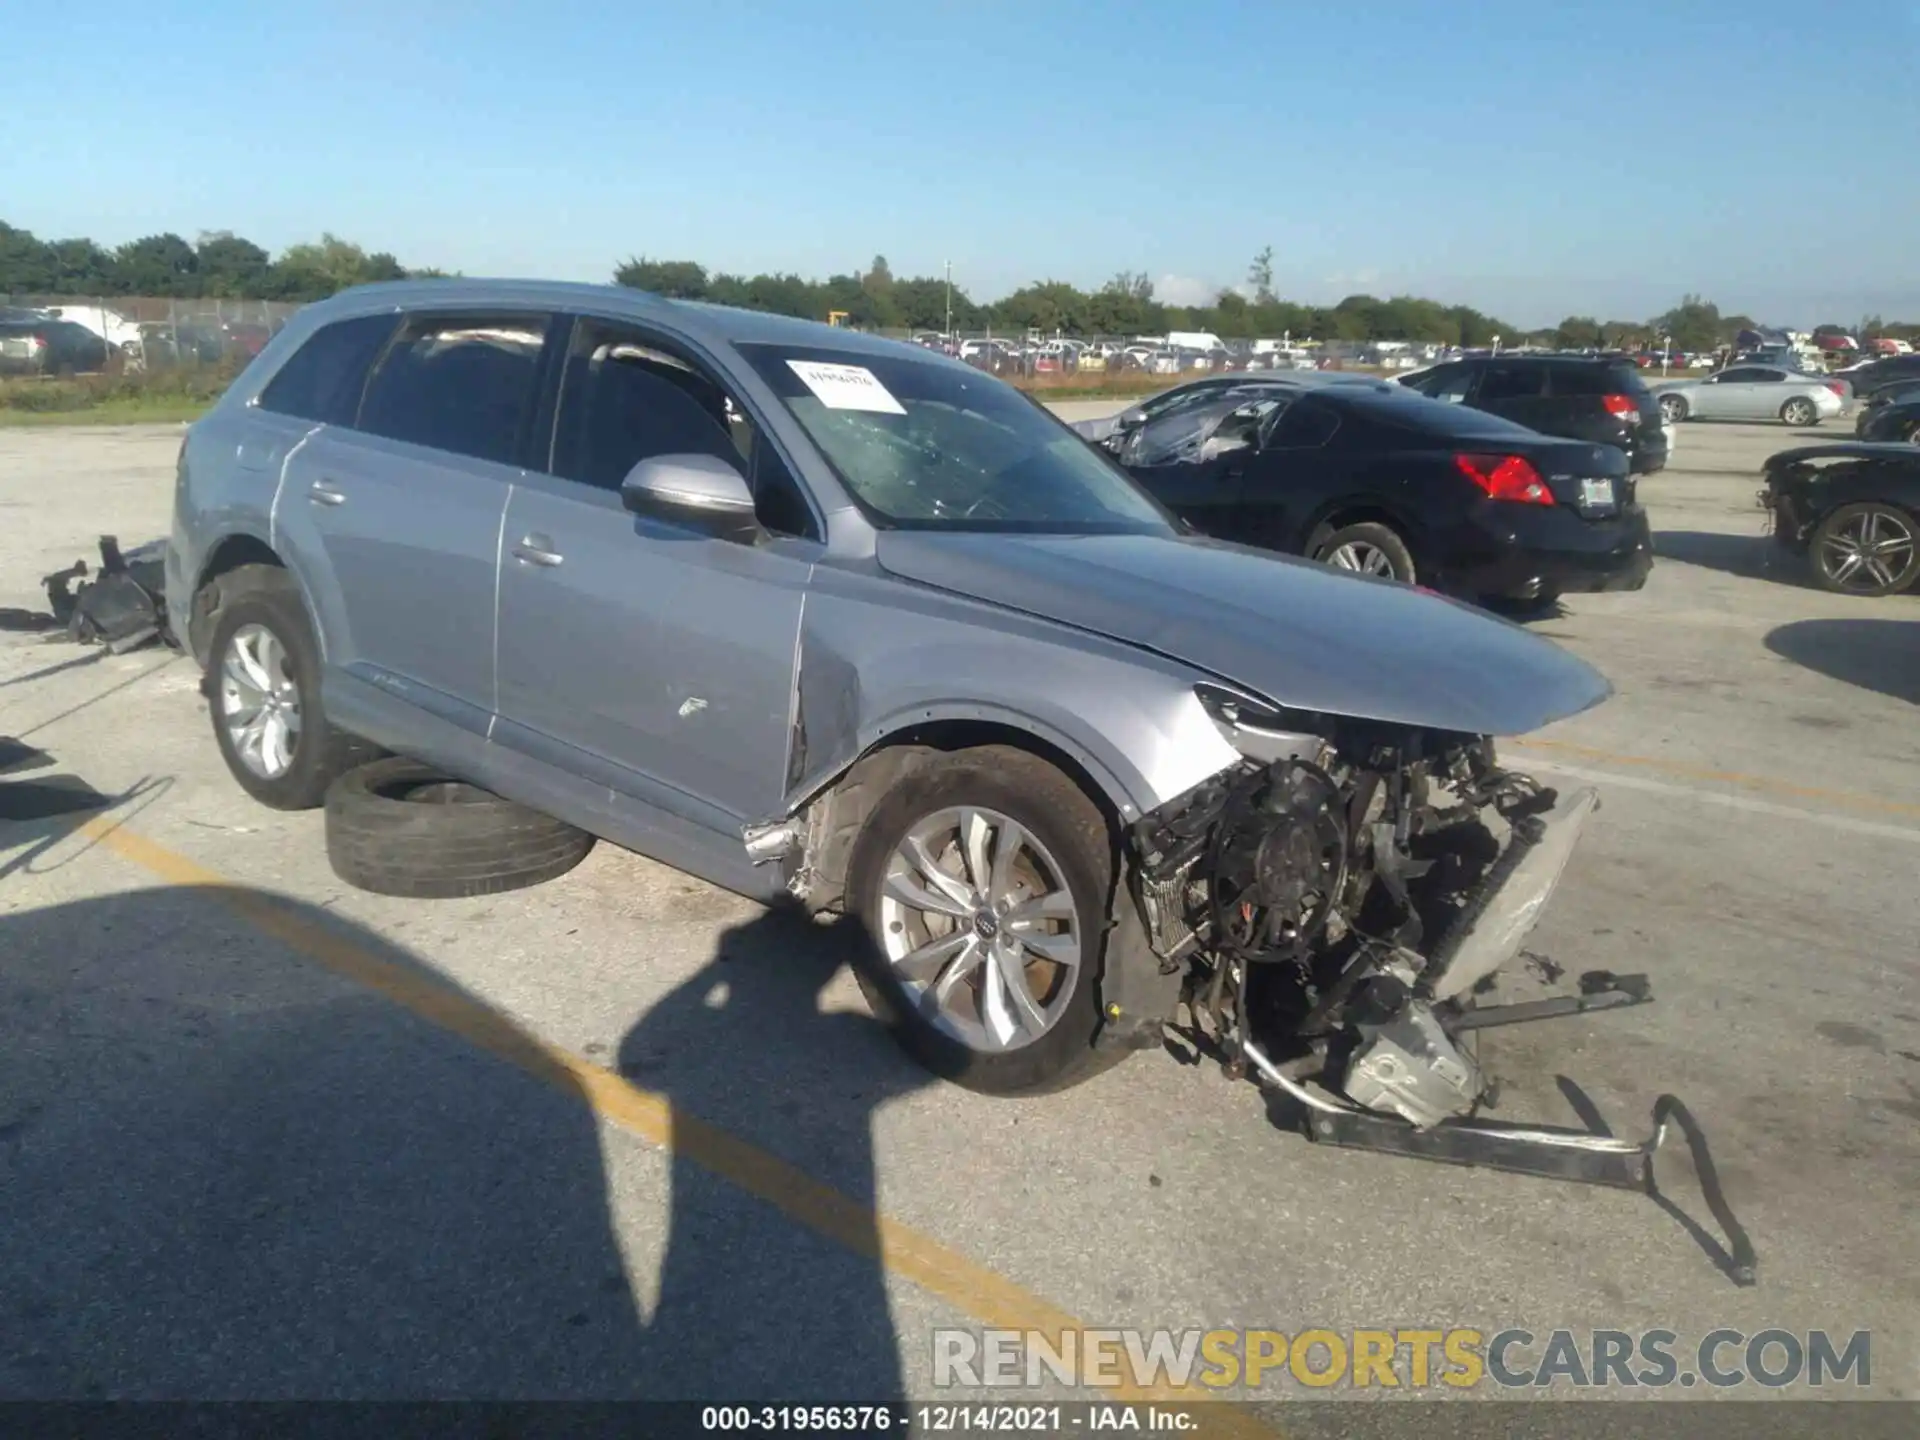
x=1264, y=732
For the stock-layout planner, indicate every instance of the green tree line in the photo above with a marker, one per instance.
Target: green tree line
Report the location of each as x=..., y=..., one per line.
x=220, y=264
x=1125, y=305
x=880, y=300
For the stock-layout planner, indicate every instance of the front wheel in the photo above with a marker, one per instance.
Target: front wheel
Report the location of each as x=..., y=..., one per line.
x=983, y=881
x=1673, y=409
x=1800, y=412
x=1368, y=548
x=1867, y=549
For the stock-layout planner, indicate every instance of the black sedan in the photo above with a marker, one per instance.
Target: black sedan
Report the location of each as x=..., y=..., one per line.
x=1853, y=510
x=50, y=347
x=1371, y=477
x=1892, y=414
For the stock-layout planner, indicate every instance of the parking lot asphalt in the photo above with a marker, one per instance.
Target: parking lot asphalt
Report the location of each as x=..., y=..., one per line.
x=264, y=1135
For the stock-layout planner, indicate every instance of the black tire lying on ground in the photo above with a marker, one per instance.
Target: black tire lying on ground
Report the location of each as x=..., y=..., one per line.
x=397, y=827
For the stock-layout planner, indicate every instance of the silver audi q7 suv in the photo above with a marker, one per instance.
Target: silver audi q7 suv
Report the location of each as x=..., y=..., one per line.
x=836, y=621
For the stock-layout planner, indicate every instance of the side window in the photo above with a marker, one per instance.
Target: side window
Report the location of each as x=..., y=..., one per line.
x=623, y=399
x=1512, y=382
x=1769, y=377
x=1739, y=375
x=460, y=383
x=1451, y=386
x=778, y=502
x=1582, y=380
x=324, y=378
x=1305, y=426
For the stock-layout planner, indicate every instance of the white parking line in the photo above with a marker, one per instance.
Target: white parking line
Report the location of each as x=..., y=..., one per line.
x=1732, y=802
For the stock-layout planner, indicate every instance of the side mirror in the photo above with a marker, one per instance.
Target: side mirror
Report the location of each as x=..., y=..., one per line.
x=702, y=492
x=1131, y=419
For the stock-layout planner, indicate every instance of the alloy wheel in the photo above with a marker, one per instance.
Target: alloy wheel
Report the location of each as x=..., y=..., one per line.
x=980, y=928
x=259, y=701
x=1359, y=556
x=1869, y=552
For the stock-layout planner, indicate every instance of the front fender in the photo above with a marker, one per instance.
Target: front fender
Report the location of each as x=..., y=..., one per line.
x=870, y=667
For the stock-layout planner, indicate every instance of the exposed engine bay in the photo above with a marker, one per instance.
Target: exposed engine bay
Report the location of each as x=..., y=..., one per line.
x=1340, y=895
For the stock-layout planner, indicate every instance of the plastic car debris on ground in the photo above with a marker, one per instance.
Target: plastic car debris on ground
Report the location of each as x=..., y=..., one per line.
x=122, y=607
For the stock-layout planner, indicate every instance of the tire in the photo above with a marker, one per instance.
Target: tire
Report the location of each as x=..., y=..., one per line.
x=397, y=827
x=957, y=1041
x=257, y=600
x=1883, y=538
x=1374, y=549
x=1800, y=412
x=1674, y=408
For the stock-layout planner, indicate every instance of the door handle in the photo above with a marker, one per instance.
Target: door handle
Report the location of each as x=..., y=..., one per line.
x=537, y=550
x=325, y=492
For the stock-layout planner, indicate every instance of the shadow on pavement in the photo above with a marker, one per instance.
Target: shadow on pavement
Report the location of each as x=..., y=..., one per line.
x=753, y=1306
x=41, y=805
x=1879, y=655
x=230, y=1173
x=1755, y=556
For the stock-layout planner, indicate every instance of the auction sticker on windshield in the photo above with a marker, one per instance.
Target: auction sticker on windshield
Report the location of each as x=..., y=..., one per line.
x=846, y=387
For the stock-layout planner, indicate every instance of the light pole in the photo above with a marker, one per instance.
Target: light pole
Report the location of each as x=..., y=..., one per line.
x=949, y=331
x=1666, y=347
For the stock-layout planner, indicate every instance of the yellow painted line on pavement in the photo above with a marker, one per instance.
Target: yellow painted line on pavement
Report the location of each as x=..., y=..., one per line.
x=1720, y=777
x=991, y=1299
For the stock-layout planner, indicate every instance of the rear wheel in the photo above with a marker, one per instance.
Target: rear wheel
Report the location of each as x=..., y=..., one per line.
x=1368, y=548
x=1867, y=549
x=1673, y=409
x=983, y=880
x=263, y=685
x=1800, y=411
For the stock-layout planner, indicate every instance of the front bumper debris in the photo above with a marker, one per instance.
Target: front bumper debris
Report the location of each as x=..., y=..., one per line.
x=122, y=608
x=1490, y=931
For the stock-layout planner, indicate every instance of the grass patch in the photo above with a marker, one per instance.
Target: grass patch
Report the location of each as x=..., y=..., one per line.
x=157, y=410
x=177, y=393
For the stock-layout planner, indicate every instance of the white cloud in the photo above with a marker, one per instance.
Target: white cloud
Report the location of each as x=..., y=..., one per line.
x=1183, y=290
x=1353, y=281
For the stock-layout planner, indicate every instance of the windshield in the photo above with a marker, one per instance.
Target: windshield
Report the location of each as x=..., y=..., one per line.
x=921, y=444
x=1194, y=434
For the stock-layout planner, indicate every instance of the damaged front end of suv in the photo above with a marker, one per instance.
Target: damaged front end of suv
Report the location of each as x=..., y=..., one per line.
x=1335, y=904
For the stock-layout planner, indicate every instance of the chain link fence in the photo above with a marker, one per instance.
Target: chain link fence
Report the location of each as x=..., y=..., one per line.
x=56, y=335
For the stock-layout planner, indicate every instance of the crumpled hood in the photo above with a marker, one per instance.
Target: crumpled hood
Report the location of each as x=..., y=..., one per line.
x=1294, y=632
x=1097, y=430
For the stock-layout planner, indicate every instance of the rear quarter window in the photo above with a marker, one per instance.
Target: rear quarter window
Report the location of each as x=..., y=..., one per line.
x=324, y=378
x=1597, y=380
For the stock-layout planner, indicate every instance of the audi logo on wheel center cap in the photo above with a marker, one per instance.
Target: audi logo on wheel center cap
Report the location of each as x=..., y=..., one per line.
x=985, y=924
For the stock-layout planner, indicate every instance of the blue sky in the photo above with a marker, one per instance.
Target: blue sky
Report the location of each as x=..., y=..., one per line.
x=1531, y=157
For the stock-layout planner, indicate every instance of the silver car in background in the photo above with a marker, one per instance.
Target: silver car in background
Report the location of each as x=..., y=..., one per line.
x=1751, y=392
x=844, y=623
